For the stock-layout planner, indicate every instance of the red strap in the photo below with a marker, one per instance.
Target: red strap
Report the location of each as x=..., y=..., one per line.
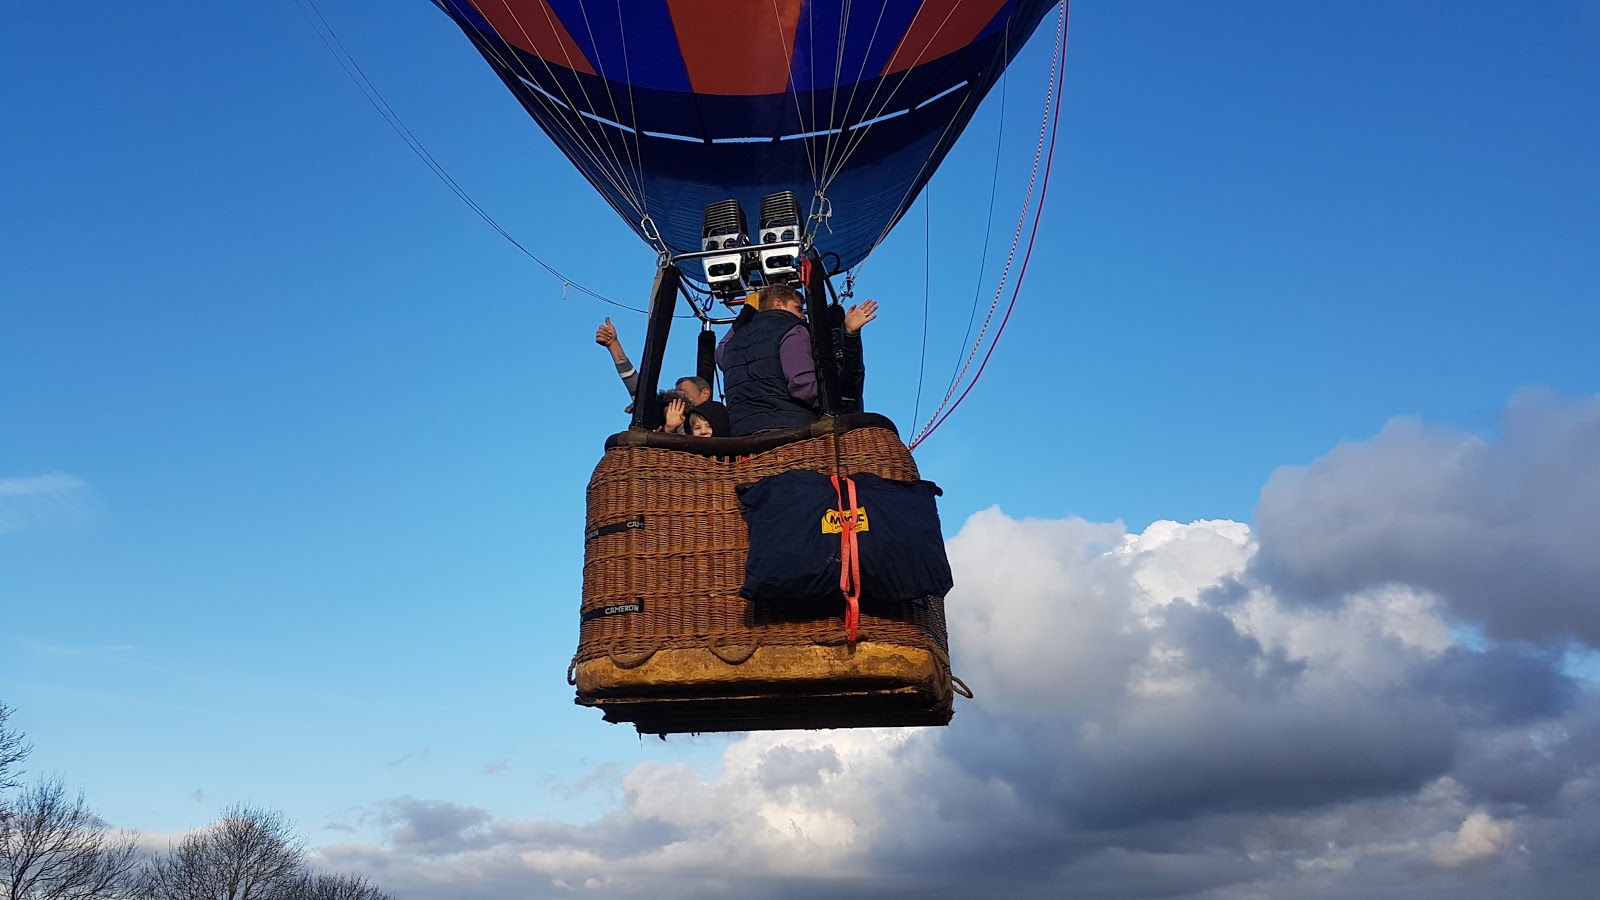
x=849, y=557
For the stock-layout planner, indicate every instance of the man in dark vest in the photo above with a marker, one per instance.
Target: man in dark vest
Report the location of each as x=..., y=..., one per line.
x=767, y=363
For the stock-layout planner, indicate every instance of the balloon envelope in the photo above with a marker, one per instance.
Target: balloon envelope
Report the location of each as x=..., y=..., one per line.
x=667, y=106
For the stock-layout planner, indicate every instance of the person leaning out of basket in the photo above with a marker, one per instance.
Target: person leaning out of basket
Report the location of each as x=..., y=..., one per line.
x=694, y=389
x=767, y=364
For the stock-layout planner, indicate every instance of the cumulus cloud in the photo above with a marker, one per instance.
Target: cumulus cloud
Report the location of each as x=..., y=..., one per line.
x=1479, y=837
x=1504, y=532
x=433, y=826
x=1158, y=714
x=36, y=502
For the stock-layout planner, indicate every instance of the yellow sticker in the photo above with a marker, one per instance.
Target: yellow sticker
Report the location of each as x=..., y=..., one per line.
x=831, y=524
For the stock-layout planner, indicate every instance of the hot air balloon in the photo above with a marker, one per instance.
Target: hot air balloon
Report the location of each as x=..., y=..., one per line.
x=824, y=118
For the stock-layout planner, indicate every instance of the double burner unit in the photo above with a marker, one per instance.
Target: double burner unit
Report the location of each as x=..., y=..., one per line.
x=734, y=263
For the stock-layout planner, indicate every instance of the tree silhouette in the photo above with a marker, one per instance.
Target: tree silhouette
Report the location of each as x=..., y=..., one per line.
x=52, y=847
x=13, y=750
x=248, y=854
x=337, y=887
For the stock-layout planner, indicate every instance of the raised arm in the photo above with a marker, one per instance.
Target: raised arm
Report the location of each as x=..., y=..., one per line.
x=606, y=337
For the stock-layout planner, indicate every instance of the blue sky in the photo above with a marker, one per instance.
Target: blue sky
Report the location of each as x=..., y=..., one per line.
x=293, y=446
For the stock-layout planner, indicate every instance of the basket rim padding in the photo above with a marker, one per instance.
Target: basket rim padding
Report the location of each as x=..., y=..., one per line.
x=751, y=444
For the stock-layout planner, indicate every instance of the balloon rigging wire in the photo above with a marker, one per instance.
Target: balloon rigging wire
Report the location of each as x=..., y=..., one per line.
x=1051, y=125
x=799, y=115
x=597, y=154
x=636, y=157
x=599, y=137
x=854, y=140
x=566, y=136
x=832, y=144
x=347, y=62
x=910, y=195
x=988, y=227
x=927, y=254
x=1016, y=237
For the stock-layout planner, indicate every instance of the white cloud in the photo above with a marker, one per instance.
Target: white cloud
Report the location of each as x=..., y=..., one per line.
x=1156, y=715
x=1503, y=531
x=1479, y=837
x=35, y=502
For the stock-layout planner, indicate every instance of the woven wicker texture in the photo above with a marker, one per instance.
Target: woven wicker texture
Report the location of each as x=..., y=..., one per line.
x=685, y=565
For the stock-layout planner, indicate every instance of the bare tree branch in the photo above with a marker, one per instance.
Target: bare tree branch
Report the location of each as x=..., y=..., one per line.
x=13, y=750
x=336, y=887
x=53, y=847
x=248, y=854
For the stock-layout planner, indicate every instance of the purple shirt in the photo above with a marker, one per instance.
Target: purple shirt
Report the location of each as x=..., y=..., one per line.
x=799, y=367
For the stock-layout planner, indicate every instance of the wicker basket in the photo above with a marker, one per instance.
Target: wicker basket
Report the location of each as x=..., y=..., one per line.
x=667, y=643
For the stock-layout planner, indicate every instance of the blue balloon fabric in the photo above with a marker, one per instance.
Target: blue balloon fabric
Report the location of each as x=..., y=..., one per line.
x=667, y=106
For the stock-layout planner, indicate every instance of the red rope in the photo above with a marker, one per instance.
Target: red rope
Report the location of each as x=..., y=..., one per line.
x=849, y=557
x=1038, y=213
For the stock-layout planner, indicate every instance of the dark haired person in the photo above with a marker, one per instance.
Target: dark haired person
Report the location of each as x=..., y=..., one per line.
x=696, y=390
x=709, y=419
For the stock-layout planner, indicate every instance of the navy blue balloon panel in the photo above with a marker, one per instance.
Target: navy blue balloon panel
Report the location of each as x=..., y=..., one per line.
x=666, y=106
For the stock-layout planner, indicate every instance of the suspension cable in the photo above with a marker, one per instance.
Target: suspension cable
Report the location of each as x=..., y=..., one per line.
x=856, y=135
x=1051, y=126
x=347, y=62
x=988, y=222
x=927, y=255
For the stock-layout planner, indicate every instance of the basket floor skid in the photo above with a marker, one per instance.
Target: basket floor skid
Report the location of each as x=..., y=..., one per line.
x=679, y=691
